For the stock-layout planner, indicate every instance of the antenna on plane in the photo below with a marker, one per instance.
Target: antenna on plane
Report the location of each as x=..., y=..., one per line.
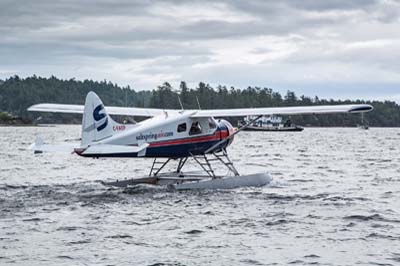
x=179, y=99
x=126, y=98
x=198, y=103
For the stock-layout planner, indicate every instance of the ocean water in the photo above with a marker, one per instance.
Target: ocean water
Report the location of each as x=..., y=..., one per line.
x=334, y=200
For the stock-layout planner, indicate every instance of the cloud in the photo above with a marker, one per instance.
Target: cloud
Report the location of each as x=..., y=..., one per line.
x=286, y=44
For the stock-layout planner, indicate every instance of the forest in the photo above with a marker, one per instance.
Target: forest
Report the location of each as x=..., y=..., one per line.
x=17, y=94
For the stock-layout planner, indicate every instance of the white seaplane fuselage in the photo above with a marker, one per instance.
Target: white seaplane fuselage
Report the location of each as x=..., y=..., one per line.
x=172, y=135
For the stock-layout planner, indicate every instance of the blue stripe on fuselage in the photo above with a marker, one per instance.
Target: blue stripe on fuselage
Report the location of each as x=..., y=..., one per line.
x=170, y=151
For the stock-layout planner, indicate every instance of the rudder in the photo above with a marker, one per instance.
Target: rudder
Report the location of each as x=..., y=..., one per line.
x=96, y=123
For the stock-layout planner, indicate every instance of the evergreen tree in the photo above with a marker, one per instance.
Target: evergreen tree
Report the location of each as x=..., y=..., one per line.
x=17, y=94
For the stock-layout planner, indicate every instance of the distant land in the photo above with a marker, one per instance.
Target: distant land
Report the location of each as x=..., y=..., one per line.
x=17, y=94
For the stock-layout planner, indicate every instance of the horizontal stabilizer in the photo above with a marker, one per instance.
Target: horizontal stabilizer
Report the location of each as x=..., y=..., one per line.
x=102, y=149
x=39, y=147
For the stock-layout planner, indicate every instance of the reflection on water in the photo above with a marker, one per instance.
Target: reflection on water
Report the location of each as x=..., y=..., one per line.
x=334, y=200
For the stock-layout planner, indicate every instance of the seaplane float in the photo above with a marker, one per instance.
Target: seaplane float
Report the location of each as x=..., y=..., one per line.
x=166, y=136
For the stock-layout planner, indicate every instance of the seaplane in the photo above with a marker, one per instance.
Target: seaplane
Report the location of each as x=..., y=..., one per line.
x=166, y=135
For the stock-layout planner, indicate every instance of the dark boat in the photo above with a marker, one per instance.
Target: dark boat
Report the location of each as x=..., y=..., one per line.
x=269, y=123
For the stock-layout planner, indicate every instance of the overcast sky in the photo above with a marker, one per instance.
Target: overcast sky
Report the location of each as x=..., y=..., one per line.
x=330, y=48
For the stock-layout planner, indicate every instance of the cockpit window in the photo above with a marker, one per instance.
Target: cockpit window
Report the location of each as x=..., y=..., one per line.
x=181, y=127
x=195, y=128
x=211, y=123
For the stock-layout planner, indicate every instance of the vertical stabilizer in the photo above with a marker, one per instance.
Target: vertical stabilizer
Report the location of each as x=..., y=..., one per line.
x=96, y=123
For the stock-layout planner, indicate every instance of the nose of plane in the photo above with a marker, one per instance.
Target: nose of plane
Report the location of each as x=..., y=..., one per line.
x=226, y=129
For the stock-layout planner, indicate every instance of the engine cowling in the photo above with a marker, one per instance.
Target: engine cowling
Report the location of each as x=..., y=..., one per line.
x=226, y=129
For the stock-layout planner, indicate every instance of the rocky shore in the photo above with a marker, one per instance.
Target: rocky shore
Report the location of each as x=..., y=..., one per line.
x=7, y=119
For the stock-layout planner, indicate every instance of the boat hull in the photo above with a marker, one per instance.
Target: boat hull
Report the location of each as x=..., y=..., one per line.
x=276, y=129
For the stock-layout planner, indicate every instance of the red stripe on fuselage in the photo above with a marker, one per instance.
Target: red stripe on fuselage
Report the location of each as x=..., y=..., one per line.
x=218, y=135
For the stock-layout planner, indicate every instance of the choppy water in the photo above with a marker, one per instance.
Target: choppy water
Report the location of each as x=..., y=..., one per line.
x=334, y=200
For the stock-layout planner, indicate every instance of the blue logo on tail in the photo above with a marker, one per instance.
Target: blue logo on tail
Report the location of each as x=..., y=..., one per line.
x=97, y=117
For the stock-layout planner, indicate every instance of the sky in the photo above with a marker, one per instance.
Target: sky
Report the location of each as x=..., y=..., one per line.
x=340, y=49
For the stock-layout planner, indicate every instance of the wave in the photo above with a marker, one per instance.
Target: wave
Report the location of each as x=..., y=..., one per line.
x=372, y=217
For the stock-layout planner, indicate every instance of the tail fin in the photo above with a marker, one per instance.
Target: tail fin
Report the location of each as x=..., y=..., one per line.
x=96, y=123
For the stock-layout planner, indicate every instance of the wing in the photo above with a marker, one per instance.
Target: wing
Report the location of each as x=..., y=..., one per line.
x=149, y=112
x=78, y=109
x=295, y=110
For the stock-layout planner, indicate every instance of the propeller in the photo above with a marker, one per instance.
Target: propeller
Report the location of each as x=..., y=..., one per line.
x=215, y=146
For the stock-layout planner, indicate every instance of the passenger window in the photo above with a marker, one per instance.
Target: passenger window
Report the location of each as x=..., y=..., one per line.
x=195, y=128
x=182, y=127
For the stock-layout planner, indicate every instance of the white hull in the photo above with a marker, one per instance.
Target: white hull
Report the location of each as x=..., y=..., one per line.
x=275, y=129
x=254, y=180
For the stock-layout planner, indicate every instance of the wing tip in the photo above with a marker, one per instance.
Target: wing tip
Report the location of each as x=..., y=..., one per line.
x=361, y=108
x=31, y=108
x=39, y=107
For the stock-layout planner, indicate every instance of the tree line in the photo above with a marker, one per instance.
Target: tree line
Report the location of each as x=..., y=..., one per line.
x=17, y=94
